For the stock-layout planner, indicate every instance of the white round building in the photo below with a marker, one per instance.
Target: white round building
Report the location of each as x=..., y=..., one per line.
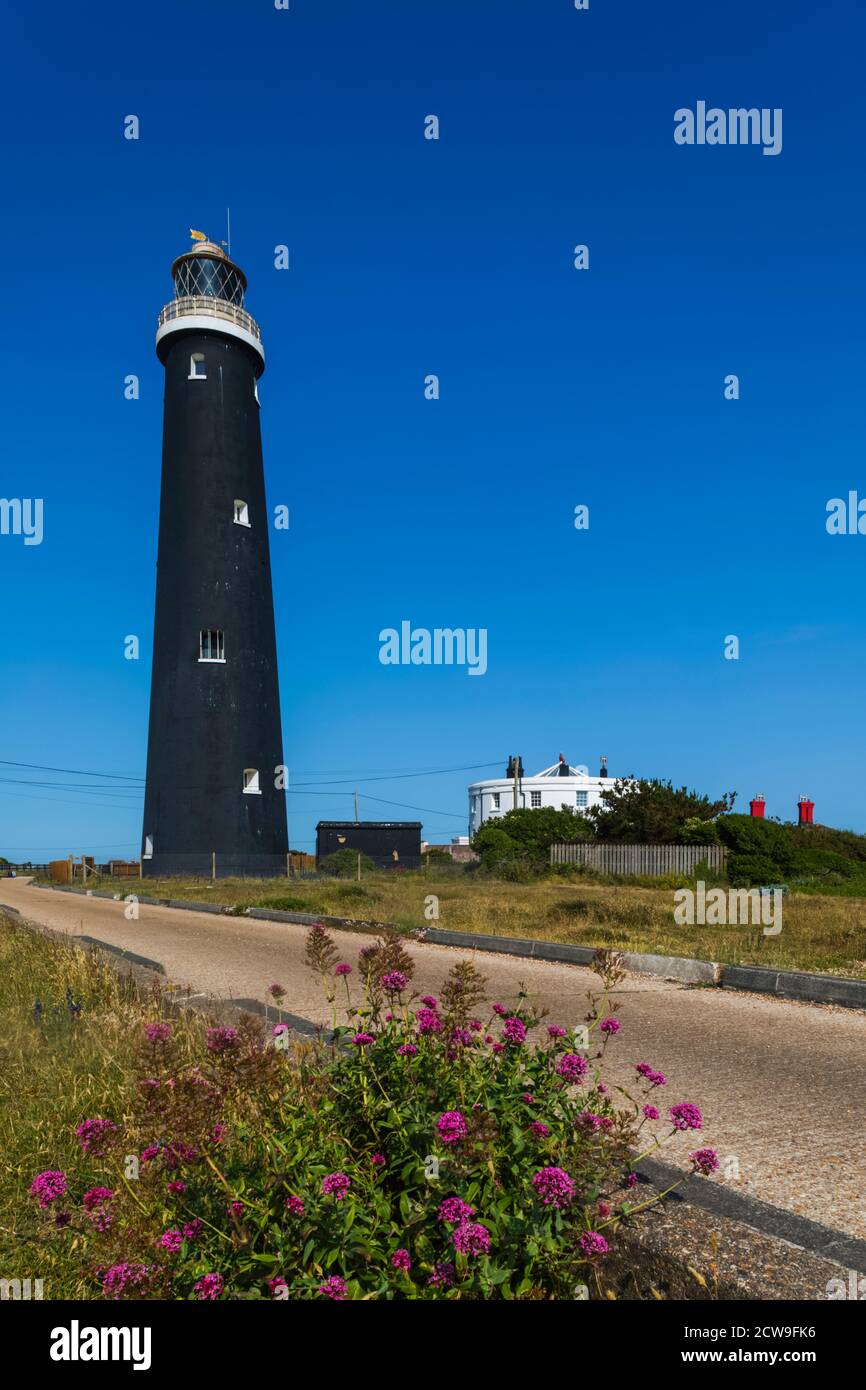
x=556, y=786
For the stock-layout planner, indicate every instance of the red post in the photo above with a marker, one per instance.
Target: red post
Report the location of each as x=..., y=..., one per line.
x=757, y=806
x=806, y=809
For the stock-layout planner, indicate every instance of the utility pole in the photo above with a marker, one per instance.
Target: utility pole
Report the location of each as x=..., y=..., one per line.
x=356, y=806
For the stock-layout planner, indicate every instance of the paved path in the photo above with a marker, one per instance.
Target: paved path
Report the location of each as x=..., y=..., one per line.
x=782, y=1085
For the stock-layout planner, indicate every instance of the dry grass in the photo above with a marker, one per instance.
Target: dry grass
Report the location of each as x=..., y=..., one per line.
x=53, y=1074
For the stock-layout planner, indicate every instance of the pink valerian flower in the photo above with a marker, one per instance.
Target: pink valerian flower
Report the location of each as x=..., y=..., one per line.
x=469, y=1238
x=336, y=1185
x=192, y=1229
x=97, y=1204
x=363, y=1039
x=685, y=1116
x=236, y=1208
x=553, y=1186
x=171, y=1241
x=528, y=1098
x=604, y=1209
x=394, y=982
x=631, y=1180
x=539, y=1129
x=554, y=1031
x=453, y=1211
x=655, y=1078
x=94, y=1134
x=276, y=991
x=428, y=1021
x=706, y=1161
x=209, y=1287
x=277, y=1284
x=451, y=1127
x=389, y=1018
x=157, y=1032
x=443, y=1275
x=650, y=1112
x=572, y=1067
x=401, y=1260
x=499, y=1009
x=430, y=1002
x=476, y=1025
x=177, y=1186
x=497, y=1047
x=295, y=1206
x=334, y=1288
x=377, y=1160
x=610, y=1025
x=587, y=1120
x=116, y=1280
x=488, y=1038
x=220, y=1039
x=514, y=1030
x=217, y=1134
x=593, y=1245
x=342, y=969
x=150, y=1153
x=278, y=1029
x=48, y=1186
x=602, y=1089
x=407, y=1050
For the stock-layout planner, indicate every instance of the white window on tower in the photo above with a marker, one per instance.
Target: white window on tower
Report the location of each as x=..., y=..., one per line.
x=212, y=645
x=580, y=799
x=242, y=513
x=148, y=847
x=197, y=370
x=496, y=801
x=251, y=781
x=535, y=799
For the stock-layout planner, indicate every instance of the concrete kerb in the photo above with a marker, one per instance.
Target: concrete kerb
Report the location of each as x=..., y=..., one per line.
x=797, y=985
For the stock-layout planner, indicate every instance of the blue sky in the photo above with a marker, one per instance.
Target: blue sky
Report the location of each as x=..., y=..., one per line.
x=558, y=387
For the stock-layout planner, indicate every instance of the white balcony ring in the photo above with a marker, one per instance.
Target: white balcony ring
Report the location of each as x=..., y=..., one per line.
x=211, y=323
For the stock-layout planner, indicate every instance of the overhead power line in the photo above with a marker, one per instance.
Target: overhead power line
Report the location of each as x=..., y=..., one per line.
x=399, y=776
x=75, y=771
x=428, y=810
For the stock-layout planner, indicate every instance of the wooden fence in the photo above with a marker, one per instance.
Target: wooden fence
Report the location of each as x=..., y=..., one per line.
x=652, y=860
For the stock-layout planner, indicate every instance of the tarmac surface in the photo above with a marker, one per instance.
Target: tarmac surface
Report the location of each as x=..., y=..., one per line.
x=782, y=1085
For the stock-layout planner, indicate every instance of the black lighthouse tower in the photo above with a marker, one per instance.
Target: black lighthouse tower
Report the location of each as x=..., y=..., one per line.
x=214, y=800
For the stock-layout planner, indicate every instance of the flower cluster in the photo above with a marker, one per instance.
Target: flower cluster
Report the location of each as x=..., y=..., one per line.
x=451, y=1127
x=554, y=1187
x=221, y=1039
x=48, y=1186
x=336, y=1185
x=572, y=1067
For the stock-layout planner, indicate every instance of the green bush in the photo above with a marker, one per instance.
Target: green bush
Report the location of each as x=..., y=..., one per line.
x=651, y=811
x=699, y=832
x=429, y=1152
x=352, y=892
x=766, y=851
x=284, y=902
x=343, y=863
x=527, y=835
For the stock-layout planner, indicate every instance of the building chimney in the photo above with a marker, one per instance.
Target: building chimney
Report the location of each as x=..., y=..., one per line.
x=564, y=769
x=757, y=806
x=602, y=771
x=806, y=809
